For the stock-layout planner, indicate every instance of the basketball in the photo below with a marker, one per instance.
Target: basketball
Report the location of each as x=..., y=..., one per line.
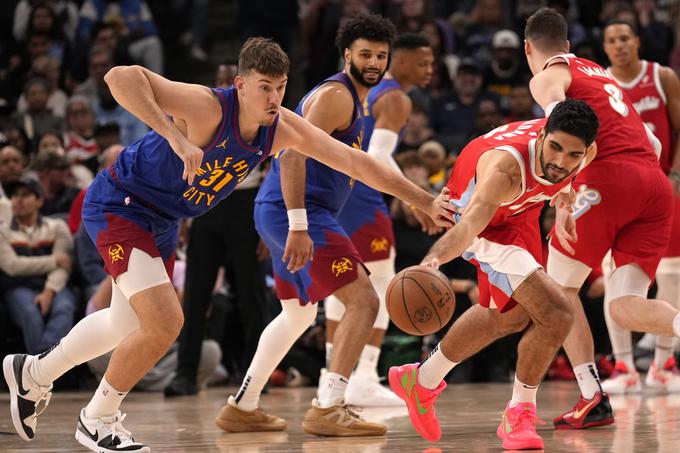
x=420, y=300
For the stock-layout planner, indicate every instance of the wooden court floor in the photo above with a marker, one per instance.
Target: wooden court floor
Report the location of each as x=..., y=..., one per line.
x=469, y=415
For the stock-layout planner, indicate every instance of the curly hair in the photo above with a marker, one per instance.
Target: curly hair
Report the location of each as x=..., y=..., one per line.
x=370, y=27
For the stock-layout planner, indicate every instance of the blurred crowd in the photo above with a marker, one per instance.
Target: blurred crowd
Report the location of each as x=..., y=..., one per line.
x=59, y=125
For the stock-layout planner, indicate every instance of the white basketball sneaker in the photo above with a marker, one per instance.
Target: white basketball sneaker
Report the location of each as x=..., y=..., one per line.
x=27, y=399
x=107, y=435
x=666, y=378
x=622, y=381
x=366, y=391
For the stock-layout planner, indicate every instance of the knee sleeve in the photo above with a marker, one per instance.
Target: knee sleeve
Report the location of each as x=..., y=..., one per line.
x=566, y=271
x=102, y=331
x=334, y=309
x=298, y=316
x=668, y=288
x=380, y=284
x=628, y=280
x=143, y=272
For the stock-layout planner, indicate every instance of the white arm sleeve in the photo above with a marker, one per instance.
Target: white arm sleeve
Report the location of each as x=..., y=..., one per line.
x=656, y=144
x=382, y=145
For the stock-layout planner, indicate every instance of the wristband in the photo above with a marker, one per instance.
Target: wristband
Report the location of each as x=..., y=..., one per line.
x=297, y=220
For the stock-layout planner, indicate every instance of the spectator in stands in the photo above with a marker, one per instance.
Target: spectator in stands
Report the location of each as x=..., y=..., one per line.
x=53, y=172
x=488, y=117
x=433, y=156
x=37, y=119
x=225, y=74
x=35, y=264
x=105, y=159
x=17, y=137
x=135, y=23
x=485, y=20
x=107, y=110
x=507, y=67
x=101, y=60
x=106, y=134
x=65, y=10
x=50, y=69
x=522, y=106
x=12, y=165
x=453, y=115
x=417, y=130
x=38, y=44
x=44, y=20
x=104, y=36
x=50, y=142
x=79, y=141
x=657, y=38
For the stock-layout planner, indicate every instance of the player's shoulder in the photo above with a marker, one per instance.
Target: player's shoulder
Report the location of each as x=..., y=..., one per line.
x=333, y=93
x=393, y=102
x=667, y=75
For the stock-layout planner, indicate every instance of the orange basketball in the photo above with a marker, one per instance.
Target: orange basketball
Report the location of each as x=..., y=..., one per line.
x=420, y=300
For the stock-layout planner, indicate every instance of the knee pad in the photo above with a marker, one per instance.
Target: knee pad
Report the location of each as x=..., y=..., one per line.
x=628, y=280
x=143, y=272
x=566, y=271
x=122, y=317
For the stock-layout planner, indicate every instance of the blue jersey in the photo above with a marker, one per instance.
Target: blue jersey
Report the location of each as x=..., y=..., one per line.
x=364, y=200
x=152, y=173
x=325, y=188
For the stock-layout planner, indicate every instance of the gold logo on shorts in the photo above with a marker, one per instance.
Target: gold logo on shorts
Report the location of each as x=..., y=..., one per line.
x=116, y=253
x=341, y=265
x=379, y=245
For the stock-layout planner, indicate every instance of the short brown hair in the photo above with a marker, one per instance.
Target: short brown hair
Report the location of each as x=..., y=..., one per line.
x=264, y=56
x=547, y=30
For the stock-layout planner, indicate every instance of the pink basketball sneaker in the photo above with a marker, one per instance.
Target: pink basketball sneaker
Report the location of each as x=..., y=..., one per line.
x=419, y=400
x=518, y=428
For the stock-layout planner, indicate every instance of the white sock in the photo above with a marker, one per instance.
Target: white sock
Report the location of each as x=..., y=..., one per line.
x=627, y=358
x=332, y=390
x=435, y=368
x=523, y=393
x=588, y=379
x=48, y=366
x=663, y=350
x=648, y=341
x=329, y=354
x=105, y=402
x=676, y=325
x=368, y=362
x=275, y=341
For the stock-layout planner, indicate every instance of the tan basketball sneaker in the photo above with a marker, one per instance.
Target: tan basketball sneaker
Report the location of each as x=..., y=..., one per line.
x=338, y=421
x=235, y=420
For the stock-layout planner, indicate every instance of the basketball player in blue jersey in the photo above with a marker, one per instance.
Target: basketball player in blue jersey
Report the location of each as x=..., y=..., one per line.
x=313, y=257
x=365, y=217
x=203, y=143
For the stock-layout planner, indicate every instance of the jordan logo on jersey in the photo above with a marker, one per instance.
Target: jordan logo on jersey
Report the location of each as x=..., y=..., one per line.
x=116, y=253
x=380, y=244
x=341, y=265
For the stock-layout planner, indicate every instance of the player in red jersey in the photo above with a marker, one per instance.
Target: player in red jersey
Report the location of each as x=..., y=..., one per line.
x=654, y=91
x=498, y=186
x=624, y=204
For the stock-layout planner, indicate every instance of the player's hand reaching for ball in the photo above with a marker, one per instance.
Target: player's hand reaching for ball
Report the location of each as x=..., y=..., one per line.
x=565, y=228
x=430, y=261
x=441, y=211
x=299, y=250
x=191, y=155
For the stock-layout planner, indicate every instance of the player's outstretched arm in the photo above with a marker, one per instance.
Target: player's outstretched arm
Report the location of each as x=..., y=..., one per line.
x=498, y=180
x=550, y=86
x=297, y=133
x=154, y=99
x=671, y=87
x=391, y=112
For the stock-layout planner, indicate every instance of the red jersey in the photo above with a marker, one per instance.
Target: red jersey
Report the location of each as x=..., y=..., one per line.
x=519, y=139
x=621, y=133
x=648, y=98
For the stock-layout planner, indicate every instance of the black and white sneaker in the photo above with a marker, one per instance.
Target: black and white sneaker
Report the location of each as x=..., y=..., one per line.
x=27, y=399
x=107, y=435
